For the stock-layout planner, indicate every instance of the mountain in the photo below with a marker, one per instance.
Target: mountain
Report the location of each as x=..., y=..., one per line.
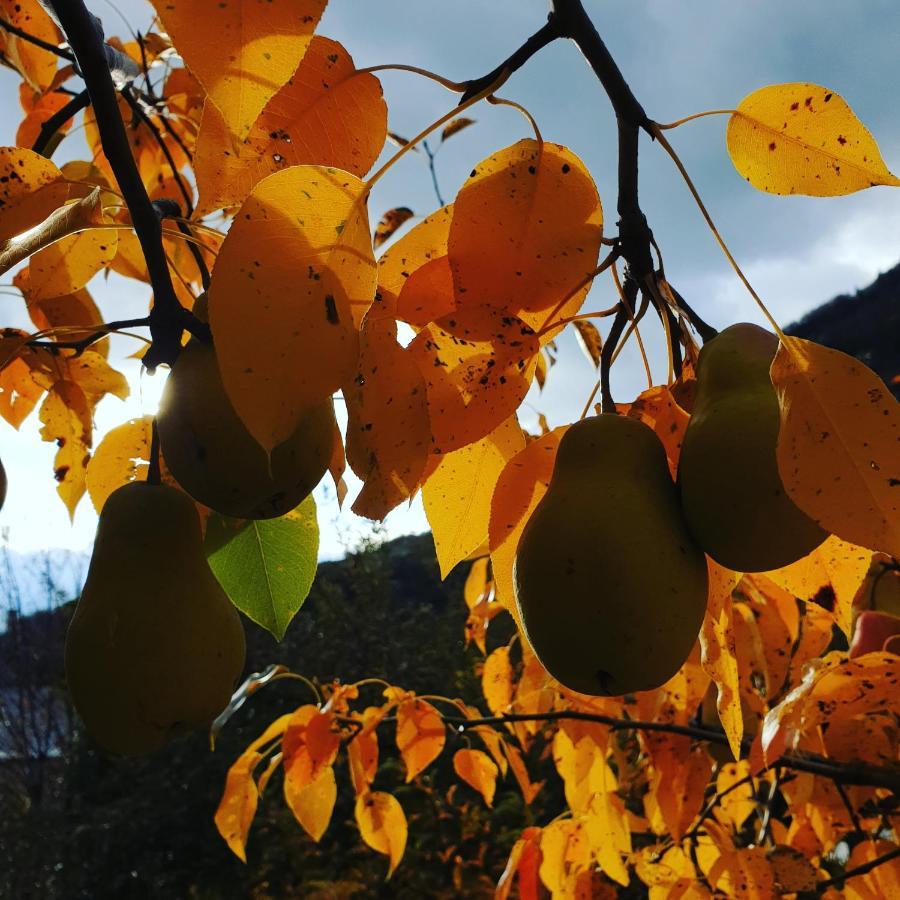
x=865, y=325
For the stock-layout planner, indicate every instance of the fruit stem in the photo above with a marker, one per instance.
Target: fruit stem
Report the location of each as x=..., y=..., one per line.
x=154, y=476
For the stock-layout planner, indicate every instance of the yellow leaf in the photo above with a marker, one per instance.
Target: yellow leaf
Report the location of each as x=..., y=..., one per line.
x=882, y=882
x=304, y=123
x=524, y=861
x=123, y=456
x=497, y=681
x=478, y=770
x=477, y=583
x=238, y=804
x=607, y=826
x=66, y=419
x=719, y=657
x=310, y=745
x=37, y=64
x=313, y=803
x=528, y=787
x=477, y=366
x=387, y=429
x=835, y=563
x=382, y=825
x=457, y=494
x=95, y=376
x=421, y=735
x=526, y=231
x=362, y=758
x=241, y=51
x=589, y=340
x=579, y=754
x=19, y=392
x=455, y=127
x=803, y=139
x=427, y=294
x=519, y=489
x=565, y=852
x=291, y=283
x=390, y=223
x=837, y=450
x=30, y=189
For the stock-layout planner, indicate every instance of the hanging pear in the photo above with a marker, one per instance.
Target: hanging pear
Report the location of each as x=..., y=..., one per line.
x=733, y=498
x=3, y=484
x=155, y=643
x=209, y=451
x=610, y=586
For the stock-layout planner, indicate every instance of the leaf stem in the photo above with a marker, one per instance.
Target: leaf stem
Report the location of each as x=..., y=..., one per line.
x=699, y=115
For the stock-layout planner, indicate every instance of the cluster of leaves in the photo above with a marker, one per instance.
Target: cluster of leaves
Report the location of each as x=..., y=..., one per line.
x=256, y=126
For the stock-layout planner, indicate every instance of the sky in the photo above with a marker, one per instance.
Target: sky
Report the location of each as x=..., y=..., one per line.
x=679, y=58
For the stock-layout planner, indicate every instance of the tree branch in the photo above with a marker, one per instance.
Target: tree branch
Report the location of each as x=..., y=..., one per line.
x=822, y=886
x=168, y=318
x=57, y=120
x=841, y=773
x=31, y=39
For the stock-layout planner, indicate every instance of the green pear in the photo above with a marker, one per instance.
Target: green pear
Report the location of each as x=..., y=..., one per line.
x=610, y=586
x=154, y=643
x=213, y=456
x=733, y=498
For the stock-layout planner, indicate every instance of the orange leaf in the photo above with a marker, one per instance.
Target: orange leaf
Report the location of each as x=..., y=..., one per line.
x=387, y=429
x=497, y=681
x=524, y=862
x=281, y=351
x=607, y=827
x=66, y=419
x=305, y=123
x=528, y=787
x=744, y=874
x=719, y=657
x=123, y=456
x=310, y=745
x=38, y=112
x=882, y=882
x=421, y=735
x=476, y=366
x=589, y=340
x=37, y=65
x=241, y=52
x=427, y=294
x=238, y=804
x=477, y=584
x=19, y=392
x=30, y=189
x=455, y=127
x=565, y=851
x=526, y=232
x=837, y=451
x=362, y=758
x=519, y=489
x=478, y=770
x=312, y=803
x=657, y=408
x=457, y=494
x=382, y=825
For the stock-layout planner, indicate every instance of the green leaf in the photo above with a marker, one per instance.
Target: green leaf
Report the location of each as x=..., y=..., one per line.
x=266, y=567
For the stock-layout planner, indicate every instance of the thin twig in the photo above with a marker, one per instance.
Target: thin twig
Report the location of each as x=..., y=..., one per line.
x=83, y=343
x=31, y=39
x=863, y=869
x=431, y=155
x=57, y=120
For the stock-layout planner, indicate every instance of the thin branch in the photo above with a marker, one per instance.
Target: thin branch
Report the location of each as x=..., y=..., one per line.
x=31, y=39
x=822, y=886
x=431, y=154
x=57, y=120
x=168, y=318
x=83, y=343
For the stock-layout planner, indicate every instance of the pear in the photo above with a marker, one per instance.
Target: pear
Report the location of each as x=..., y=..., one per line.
x=213, y=456
x=733, y=498
x=610, y=586
x=872, y=632
x=2, y=485
x=154, y=643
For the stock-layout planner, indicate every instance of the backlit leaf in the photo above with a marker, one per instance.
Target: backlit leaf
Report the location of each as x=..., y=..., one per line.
x=387, y=430
x=65, y=312
x=39, y=108
x=37, y=64
x=882, y=882
x=497, y=681
x=66, y=421
x=837, y=451
x=313, y=803
x=390, y=223
x=19, y=392
x=524, y=862
x=291, y=283
x=517, y=765
x=477, y=368
x=242, y=51
x=123, y=456
x=421, y=735
x=266, y=566
x=362, y=759
x=382, y=825
x=454, y=127
x=744, y=874
x=719, y=657
x=457, y=494
x=525, y=233
x=589, y=340
x=238, y=804
x=803, y=139
x=519, y=489
x=30, y=189
x=427, y=294
x=478, y=770
x=565, y=851
x=607, y=827
x=305, y=123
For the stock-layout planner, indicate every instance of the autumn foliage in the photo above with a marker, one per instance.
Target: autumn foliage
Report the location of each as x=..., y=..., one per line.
x=767, y=764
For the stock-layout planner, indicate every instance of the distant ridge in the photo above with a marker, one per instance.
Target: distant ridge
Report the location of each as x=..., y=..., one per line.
x=865, y=325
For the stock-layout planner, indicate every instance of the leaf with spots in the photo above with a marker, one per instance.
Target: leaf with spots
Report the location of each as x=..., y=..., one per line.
x=589, y=340
x=291, y=284
x=477, y=365
x=421, y=735
x=19, y=391
x=519, y=489
x=390, y=223
x=30, y=189
x=497, y=681
x=565, y=852
x=305, y=123
x=478, y=770
x=36, y=64
x=241, y=51
x=526, y=233
x=455, y=127
x=66, y=420
x=801, y=138
x=457, y=493
x=388, y=433
x=237, y=807
x=123, y=456
x=744, y=874
x=382, y=825
x=837, y=450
